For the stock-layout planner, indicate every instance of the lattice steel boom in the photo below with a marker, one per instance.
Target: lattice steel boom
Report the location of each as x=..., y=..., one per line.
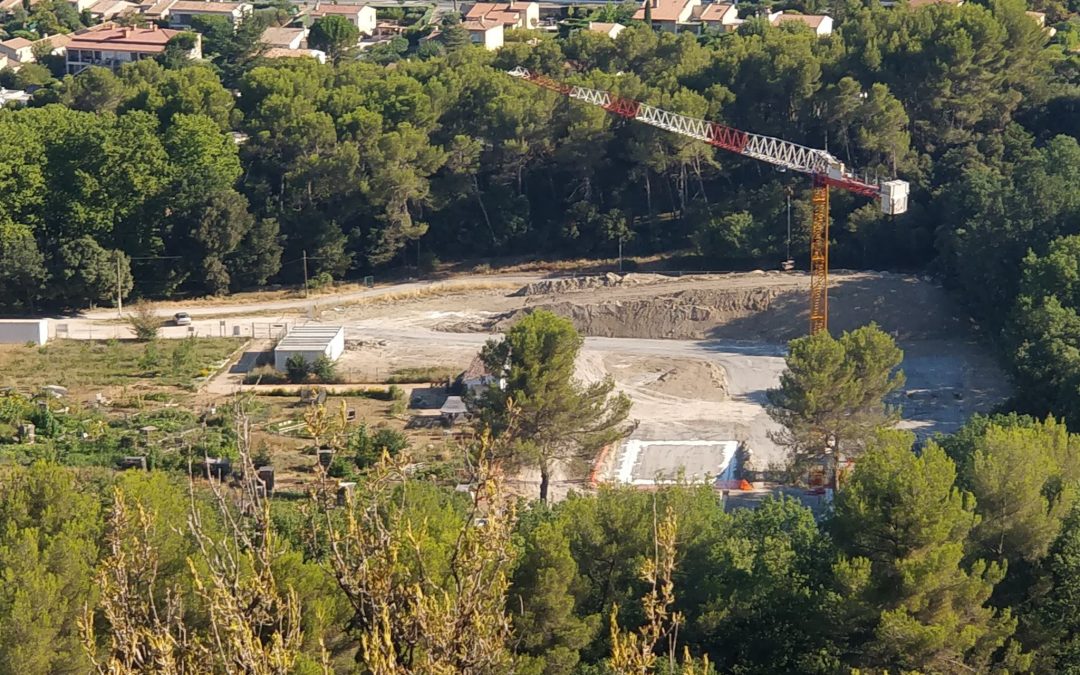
x=826, y=169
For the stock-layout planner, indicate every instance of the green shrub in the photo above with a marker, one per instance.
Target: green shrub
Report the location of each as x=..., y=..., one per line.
x=14, y=408
x=396, y=393
x=144, y=321
x=183, y=356
x=367, y=447
x=44, y=421
x=297, y=368
x=325, y=370
x=150, y=359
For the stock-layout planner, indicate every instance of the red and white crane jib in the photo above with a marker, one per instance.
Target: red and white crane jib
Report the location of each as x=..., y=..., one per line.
x=823, y=166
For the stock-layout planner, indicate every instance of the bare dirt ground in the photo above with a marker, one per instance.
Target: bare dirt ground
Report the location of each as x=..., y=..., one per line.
x=696, y=354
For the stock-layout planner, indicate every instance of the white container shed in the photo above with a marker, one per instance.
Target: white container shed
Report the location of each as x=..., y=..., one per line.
x=21, y=331
x=312, y=341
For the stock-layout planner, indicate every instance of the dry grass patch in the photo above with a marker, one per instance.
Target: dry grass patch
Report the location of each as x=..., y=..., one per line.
x=81, y=364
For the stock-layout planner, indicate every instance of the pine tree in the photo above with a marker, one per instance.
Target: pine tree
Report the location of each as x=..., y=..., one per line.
x=542, y=605
x=560, y=422
x=831, y=396
x=902, y=513
x=1057, y=616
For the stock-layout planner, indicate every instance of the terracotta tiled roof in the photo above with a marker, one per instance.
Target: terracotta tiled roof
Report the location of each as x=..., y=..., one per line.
x=112, y=7
x=16, y=43
x=281, y=36
x=116, y=38
x=282, y=53
x=504, y=13
x=196, y=7
x=57, y=41
x=476, y=369
x=714, y=11
x=662, y=10
x=480, y=24
x=812, y=20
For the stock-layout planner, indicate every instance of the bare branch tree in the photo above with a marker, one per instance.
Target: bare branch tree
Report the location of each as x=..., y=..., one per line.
x=636, y=653
x=408, y=621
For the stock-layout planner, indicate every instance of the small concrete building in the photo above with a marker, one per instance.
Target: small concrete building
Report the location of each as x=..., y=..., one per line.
x=21, y=331
x=312, y=341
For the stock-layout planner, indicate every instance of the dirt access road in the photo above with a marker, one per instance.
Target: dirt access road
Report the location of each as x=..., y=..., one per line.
x=696, y=354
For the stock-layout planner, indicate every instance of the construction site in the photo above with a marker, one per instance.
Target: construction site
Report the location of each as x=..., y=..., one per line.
x=695, y=354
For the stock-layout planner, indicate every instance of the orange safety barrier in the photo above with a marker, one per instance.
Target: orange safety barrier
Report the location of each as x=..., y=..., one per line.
x=734, y=485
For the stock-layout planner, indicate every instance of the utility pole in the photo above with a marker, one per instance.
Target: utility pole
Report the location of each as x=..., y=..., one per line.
x=119, y=290
x=305, y=274
x=788, y=225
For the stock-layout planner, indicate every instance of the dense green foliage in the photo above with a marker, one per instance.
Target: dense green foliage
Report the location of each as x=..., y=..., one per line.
x=907, y=574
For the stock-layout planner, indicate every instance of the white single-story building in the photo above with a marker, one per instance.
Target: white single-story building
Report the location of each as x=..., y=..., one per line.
x=312, y=341
x=21, y=331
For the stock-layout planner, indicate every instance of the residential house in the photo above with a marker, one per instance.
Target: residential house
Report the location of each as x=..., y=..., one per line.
x=821, y=25
x=361, y=16
x=509, y=14
x=285, y=53
x=477, y=379
x=107, y=10
x=179, y=13
x=19, y=51
x=285, y=38
x=111, y=46
x=611, y=30
x=487, y=34
x=82, y=5
x=717, y=15
x=667, y=15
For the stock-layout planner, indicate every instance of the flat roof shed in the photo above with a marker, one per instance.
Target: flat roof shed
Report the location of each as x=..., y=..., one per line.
x=311, y=341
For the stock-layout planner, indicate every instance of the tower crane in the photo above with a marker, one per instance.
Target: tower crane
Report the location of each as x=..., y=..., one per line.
x=825, y=170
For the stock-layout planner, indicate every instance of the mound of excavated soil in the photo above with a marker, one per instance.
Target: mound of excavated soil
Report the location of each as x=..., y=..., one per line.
x=769, y=309
x=689, y=379
x=576, y=284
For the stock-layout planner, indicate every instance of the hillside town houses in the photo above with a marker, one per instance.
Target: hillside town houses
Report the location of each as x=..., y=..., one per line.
x=131, y=30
